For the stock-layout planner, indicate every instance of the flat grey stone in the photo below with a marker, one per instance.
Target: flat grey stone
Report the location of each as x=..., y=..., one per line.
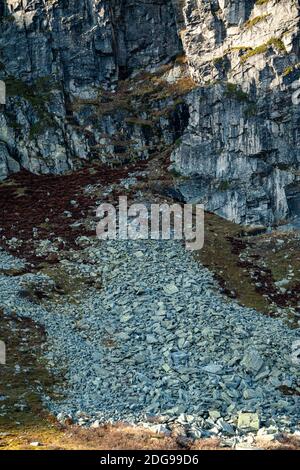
x=252, y=361
x=213, y=369
x=170, y=289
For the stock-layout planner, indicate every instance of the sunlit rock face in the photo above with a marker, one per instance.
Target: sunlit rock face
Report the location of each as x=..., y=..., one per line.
x=82, y=79
x=241, y=148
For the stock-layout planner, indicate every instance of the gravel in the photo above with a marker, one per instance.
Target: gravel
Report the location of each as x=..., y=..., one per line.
x=7, y=262
x=159, y=340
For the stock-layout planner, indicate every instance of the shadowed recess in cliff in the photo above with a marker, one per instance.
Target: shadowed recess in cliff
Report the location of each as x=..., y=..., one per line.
x=87, y=41
x=65, y=65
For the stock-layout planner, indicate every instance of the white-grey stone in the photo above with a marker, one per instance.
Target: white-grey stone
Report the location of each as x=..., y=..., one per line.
x=252, y=361
x=170, y=289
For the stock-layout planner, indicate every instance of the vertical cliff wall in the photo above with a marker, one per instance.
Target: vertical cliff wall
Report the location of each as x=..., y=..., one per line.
x=62, y=62
x=241, y=147
x=211, y=83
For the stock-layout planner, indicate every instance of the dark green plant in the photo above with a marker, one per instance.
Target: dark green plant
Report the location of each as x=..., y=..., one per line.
x=37, y=95
x=224, y=185
x=235, y=92
x=251, y=110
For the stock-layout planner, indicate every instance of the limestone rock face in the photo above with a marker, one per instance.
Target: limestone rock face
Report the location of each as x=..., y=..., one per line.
x=214, y=84
x=241, y=147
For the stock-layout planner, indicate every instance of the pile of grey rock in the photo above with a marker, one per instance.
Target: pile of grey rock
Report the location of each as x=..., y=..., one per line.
x=158, y=344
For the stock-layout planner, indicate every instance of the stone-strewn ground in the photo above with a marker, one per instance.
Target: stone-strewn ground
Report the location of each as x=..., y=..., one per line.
x=138, y=331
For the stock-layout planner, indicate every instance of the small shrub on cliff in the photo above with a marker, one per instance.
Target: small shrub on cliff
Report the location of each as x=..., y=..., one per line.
x=37, y=95
x=290, y=69
x=234, y=91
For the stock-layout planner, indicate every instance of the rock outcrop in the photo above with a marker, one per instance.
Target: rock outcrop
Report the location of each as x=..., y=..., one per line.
x=242, y=143
x=210, y=83
x=63, y=63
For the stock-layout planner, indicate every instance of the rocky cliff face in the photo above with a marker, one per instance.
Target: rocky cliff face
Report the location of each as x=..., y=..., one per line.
x=209, y=83
x=62, y=62
x=242, y=142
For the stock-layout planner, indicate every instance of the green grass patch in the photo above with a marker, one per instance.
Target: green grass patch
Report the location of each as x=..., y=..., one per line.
x=261, y=2
x=7, y=19
x=254, y=21
x=290, y=69
x=139, y=122
x=273, y=42
x=218, y=60
x=224, y=186
x=251, y=110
